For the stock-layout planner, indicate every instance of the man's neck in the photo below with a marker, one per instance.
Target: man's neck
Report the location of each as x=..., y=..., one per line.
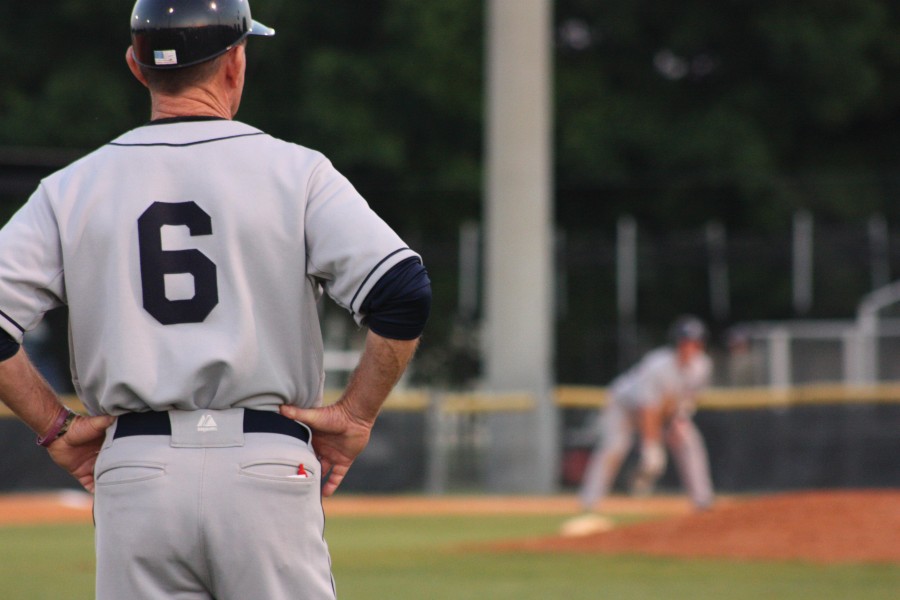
x=194, y=103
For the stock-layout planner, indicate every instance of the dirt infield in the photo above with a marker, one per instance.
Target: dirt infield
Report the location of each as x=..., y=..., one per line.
x=821, y=527
x=73, y=506
x=60, y=507
x=564, y=506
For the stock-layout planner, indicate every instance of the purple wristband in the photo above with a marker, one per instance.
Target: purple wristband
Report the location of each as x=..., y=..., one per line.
x=62, y=419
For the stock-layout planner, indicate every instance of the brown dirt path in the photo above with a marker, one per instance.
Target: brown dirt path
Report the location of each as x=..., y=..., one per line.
x=564, y=506
x=820, y=527
x=815, y=526
x=58, y=507
x=74, y=506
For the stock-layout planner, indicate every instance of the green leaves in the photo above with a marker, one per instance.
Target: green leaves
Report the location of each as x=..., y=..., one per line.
x=708, y=104
x=717, y=104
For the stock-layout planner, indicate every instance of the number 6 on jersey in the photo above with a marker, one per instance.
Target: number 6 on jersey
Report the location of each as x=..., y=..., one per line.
x=156, y=263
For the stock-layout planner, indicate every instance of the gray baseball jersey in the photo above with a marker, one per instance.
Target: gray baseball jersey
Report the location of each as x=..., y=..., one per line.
x=167, y=266
x=659, y=375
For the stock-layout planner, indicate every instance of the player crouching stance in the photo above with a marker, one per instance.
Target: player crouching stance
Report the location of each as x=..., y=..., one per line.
x=657, y=399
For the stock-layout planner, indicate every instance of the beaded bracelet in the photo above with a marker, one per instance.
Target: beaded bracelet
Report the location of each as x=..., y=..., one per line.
x=59, y=427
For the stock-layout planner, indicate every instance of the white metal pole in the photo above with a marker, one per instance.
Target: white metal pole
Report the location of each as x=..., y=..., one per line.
x=780, y=367
x=519, y=283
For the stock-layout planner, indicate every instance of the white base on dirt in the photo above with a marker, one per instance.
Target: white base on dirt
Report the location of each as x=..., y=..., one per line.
x=585, y=525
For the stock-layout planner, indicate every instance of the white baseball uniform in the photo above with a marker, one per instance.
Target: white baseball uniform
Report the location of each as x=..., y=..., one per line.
x=656, y=377
x=191, y=254
x=169, y=267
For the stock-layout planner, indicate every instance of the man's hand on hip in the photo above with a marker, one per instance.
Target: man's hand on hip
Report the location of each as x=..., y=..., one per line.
x=338, y=438
x=77, y=450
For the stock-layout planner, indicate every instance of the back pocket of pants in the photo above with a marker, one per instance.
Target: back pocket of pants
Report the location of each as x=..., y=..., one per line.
x=279, y=470
x=129, y=472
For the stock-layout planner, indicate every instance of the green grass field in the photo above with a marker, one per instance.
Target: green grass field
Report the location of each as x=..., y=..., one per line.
x=436, y=557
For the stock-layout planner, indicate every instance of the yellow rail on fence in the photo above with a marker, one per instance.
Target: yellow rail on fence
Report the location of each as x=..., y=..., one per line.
x=752, y=397
x=591, y=397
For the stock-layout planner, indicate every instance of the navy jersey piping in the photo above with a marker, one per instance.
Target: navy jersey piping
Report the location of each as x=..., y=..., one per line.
x=10, y=319
x=375, y=268
x=186, y=144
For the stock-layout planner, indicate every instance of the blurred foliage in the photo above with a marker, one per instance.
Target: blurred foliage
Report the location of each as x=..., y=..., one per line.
x=739, y=111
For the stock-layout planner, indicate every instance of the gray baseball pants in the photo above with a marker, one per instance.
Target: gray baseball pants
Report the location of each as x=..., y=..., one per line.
x=616, y=438
x=209, y=513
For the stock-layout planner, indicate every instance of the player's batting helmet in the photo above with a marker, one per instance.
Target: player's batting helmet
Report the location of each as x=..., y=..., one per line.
x=688, y=327
x=169, y=34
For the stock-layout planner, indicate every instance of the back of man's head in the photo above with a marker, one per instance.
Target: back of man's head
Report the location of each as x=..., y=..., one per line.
x=177, y=44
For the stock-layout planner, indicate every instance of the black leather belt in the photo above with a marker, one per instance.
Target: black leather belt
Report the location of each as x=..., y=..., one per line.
x=255, y=421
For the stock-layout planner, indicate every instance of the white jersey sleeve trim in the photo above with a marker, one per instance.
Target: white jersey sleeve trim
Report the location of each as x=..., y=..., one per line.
x=370, y=281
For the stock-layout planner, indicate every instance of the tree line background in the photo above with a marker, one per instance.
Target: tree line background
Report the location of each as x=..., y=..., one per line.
x=739, y=112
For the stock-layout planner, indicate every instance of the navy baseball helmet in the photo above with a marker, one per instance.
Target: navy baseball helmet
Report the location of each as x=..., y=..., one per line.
x=170, y=34
x=688, y=327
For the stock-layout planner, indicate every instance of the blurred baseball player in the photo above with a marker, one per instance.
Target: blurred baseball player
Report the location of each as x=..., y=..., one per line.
x=655, y=398
x=191, y=253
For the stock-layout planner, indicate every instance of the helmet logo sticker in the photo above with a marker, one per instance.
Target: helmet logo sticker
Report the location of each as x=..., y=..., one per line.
x=165, y=57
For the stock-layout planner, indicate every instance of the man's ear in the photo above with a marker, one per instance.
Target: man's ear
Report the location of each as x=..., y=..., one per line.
x=134, y=67
x=235, y=65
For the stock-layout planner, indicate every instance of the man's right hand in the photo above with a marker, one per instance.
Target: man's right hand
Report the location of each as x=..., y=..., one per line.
x=76, y=451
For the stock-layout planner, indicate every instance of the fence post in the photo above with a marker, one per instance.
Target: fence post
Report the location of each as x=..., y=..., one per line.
x=803, y=262
x=719, y=298
x=878, y=251
x=626, y=287
x=780, y=359
x=437, y=472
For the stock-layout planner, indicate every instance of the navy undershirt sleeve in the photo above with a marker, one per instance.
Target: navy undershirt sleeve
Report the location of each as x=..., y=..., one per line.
x=398, y=305
x=8, y=346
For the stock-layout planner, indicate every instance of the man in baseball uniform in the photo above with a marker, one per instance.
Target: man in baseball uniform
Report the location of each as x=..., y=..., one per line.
x=656, y=398
x=191, y=253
